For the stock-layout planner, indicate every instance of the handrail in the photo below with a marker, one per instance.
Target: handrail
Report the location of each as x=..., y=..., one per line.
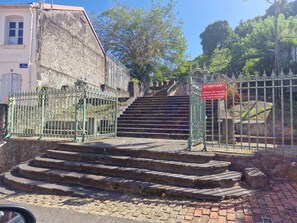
x=172, y=87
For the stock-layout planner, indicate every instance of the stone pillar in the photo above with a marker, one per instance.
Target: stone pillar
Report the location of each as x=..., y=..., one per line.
x=228, y=132
x=135, y=89
x=3, y=119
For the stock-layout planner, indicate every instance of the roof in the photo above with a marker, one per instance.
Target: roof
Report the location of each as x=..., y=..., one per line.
x=44, y=6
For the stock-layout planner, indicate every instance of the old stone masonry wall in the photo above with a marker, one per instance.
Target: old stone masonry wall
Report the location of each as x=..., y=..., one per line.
x=67, y=50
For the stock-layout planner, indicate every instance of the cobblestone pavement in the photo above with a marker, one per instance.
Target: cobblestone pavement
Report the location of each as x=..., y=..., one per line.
x=278, y=204
x=126, y=207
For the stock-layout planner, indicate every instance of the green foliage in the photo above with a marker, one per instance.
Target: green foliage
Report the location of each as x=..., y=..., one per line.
x=250, y=47
x=142, y=40
x=215, y=36
x=183, y=69
x=220, y=60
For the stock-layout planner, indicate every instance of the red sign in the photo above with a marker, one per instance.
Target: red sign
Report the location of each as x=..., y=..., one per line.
x=214, y=91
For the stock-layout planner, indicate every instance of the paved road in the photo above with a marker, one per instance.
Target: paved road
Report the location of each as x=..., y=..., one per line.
x=54, y=215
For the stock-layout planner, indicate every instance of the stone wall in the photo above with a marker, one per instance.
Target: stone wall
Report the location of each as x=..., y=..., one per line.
x=20, y=150
x=67, y=50
x=273, y=165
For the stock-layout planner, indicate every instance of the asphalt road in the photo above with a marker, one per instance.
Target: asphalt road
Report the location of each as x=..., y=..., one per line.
x=60, y=215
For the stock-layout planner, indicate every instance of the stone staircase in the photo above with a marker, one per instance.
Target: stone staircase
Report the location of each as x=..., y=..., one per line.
x=164, y=117
x=85, y=170
x=156, y=117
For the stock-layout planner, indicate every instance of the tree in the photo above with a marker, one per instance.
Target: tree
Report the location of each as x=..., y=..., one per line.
x=220, y=60
x=216, y=35
x=142, y=40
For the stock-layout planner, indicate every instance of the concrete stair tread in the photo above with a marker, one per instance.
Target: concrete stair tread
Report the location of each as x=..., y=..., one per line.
x=152, y=124
x=150, y=129
x=211, y=163
x=126, y=185
x=142, y=150
x=139, y=114
x=141, y=174
x=40, y=186
x=153, y=135
x=212, y=166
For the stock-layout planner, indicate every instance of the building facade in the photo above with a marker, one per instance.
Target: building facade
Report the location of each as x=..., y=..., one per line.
x=48, y=46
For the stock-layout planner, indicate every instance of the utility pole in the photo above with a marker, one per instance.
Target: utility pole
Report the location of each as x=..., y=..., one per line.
x=276, y=52
x=276, y=4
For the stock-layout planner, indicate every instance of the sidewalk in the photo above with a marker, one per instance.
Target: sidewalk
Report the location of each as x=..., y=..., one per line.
x=278, y=204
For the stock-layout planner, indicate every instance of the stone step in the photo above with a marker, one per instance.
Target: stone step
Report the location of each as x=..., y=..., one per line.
x=157, y=115
x=160, y=104
x=160, y=111
x=154, y=118
x=174, y=136
x=147, y=125
x=178, y=98
x=50, y=180
x=37, y=186
x=172, y=121
x=153, y=130
x=165, y=106
x=225, y=179
x=139, y=150
x=156, y=110
x=211, y=167
x=183, y=124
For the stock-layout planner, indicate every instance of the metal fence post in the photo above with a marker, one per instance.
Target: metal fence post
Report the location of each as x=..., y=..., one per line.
x=116, y=116
x=76, y=116
x=42, y=115
x=190, y=142
x=84, y=115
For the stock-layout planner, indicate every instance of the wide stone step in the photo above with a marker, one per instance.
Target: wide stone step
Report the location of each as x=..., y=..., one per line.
x=157, y=99
x=154, y=118
x=153, y=130
x=151, y=106
x=157, y=115
x=126, y=120
x=174, y=136
x=146, y=125
x=37, y=186
x=199, y=169
x=50, y=180
x=156, y=110
x=161, y=104
x=139, y=150
x=225, y=179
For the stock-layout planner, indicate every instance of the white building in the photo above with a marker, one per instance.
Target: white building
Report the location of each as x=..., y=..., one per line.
x=17, y=51
x=48, y=46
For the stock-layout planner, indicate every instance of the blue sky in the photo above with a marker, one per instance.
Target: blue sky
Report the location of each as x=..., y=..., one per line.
x=196, y=14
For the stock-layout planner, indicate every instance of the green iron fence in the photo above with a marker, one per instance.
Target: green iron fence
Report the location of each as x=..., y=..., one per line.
x=259, y=112
x=197, y=113
x=81, y=114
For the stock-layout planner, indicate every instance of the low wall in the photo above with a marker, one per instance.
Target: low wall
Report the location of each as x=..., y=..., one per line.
x=273, y=165
x=16, y=151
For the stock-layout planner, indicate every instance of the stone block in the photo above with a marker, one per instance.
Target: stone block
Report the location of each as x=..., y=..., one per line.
x=255, y=177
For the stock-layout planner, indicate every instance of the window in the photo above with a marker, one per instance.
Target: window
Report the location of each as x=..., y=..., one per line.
x=14, y=30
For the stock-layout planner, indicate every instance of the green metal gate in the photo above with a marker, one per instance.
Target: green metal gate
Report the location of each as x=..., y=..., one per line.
x=197, y=110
